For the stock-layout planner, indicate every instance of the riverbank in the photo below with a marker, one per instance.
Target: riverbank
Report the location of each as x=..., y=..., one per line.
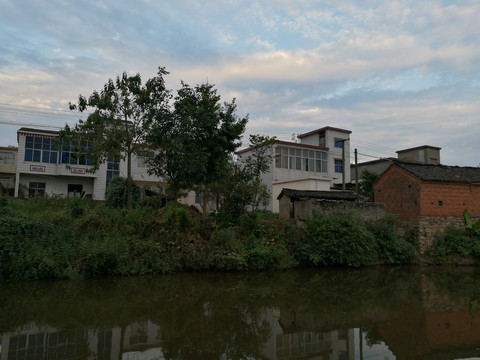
x=72, y=238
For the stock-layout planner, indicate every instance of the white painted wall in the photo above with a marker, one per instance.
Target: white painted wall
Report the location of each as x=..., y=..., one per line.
x=300, y=184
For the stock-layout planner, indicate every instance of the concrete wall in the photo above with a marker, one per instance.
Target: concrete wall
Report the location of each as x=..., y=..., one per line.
x=424, y=154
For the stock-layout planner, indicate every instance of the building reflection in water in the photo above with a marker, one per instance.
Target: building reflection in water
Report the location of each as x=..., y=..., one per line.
x=142, y=341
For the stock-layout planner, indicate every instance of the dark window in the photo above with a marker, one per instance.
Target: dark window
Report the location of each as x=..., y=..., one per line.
x=113, y=168
x=74, y=190
x=75, y=153
x=36, y=189
x=339, y=143
x=338, y=166
x=40, y=149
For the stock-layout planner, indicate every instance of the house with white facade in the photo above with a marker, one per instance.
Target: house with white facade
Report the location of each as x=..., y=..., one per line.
x=315, y=162
x=43, y=169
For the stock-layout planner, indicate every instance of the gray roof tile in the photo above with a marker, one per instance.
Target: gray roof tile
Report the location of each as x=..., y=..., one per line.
x=446, y=173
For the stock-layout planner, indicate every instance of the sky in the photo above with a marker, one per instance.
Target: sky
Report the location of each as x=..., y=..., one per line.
x=398, y=74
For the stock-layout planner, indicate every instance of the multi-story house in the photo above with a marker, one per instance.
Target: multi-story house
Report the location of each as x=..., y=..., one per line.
x=315, y=162
x=44, y=169
x=8, y=166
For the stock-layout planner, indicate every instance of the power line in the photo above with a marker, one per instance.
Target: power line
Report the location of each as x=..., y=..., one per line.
x=28, y=124
x=34, y=107
x=35, y=114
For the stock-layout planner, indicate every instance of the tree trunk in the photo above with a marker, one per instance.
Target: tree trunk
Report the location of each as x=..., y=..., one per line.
x=129, y=166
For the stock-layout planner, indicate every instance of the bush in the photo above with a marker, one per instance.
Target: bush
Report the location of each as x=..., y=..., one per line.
x=339, y=240
x=389, y=245
x=456, y=242
x=117, y=193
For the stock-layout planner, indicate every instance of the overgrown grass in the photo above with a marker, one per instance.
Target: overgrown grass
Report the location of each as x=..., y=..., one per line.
x=69, y=238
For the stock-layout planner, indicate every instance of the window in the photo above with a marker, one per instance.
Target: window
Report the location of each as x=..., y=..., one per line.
x=198, y=197
x=338, y=166
x=40, y=149
x=321, y=140
x=339, y=143
x=309, y=159
x=321, y=161
x=281, y=157
x=299, y=159
x=7, y=158
x=142, y=158
x=113, y=168
x=75, y=153
x=421, y=156
x=36, y=189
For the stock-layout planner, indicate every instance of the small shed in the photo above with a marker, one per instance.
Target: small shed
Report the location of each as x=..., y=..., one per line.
x=302, y=205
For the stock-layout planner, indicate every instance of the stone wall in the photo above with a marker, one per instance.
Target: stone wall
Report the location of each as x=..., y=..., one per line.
x=306, y=209
x=423, y=229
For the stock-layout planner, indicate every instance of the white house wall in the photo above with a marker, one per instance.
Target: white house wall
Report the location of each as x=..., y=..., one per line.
x=57, y=176
x=57, y=185
x=300, y=184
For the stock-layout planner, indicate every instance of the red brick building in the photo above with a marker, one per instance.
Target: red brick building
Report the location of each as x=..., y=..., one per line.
x=414, y=190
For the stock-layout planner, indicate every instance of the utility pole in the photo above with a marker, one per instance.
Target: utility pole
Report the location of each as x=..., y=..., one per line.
x=356, y=171
x=343, y=164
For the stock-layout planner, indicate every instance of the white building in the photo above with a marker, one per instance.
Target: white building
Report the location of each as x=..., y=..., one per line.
x=42, y=169
x=316, y=162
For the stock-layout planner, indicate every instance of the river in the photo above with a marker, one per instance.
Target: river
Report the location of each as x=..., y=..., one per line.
x=372, y=313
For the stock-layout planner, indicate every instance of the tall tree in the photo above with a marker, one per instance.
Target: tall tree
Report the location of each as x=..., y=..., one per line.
x=256, y=164
x=122, y=115
x=366, y=185
x=242, y=188
x=195, y=143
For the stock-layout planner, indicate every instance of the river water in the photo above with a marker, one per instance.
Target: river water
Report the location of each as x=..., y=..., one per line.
x=375, y=313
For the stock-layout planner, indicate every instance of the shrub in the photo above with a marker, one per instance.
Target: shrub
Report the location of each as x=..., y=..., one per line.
x=117, y=193
x=389, y=245
x=339, y=240
x=456, y=242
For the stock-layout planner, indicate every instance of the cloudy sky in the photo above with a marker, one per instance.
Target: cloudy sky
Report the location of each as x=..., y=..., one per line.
x=398, y=74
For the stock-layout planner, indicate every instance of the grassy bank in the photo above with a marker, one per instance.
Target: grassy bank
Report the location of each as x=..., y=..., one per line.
x=69, y=238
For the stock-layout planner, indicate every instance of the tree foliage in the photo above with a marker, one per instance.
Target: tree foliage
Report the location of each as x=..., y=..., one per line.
x=117, y=193
x=194, y=143
x=366, y=185
x=242, y=188
x=122, y=115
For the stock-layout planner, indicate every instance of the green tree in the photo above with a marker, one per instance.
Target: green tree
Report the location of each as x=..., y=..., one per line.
x=242, y=187
x=122, y=116
x=195, y=142
x=368, y=178
x=256, y=164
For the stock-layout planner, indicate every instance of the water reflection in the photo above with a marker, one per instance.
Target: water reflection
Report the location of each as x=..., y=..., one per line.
x=384, y=313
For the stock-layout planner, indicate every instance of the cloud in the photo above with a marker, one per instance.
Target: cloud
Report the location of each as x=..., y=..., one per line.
x=396, y=73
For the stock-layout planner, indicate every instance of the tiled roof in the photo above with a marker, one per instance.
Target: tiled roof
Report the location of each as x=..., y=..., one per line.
x=320, y=195
x=446, y=173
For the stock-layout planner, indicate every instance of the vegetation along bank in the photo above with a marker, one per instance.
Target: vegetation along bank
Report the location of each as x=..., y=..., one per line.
x=70, y=238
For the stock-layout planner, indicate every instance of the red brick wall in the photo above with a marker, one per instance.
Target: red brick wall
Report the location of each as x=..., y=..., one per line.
x=407, y=197
x=400, y=192
x=449, y=199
